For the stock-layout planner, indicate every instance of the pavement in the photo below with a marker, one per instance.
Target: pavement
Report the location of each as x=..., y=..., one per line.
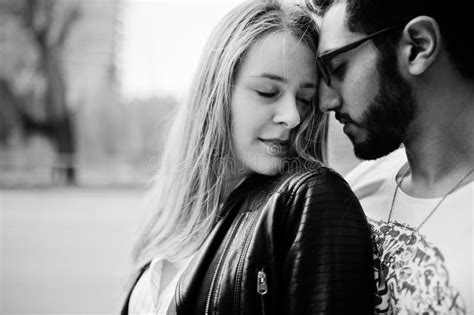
x=66, y=250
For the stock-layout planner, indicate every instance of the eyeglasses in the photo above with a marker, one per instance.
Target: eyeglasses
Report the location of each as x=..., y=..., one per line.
x=323, y=61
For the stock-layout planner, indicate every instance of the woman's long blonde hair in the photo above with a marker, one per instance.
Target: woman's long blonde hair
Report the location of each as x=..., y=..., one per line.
x=184, y=197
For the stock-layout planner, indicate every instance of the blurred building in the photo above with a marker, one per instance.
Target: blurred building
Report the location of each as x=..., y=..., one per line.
x=90, y=60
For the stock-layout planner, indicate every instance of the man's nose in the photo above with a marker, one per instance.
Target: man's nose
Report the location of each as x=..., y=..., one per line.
x=329, y=99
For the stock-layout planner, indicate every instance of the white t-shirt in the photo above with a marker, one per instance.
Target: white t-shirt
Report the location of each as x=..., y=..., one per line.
x=430, y=271
x=152, y=295
x=148, y=297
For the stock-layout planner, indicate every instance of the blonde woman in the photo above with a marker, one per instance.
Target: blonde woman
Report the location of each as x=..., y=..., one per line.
x=246, y=219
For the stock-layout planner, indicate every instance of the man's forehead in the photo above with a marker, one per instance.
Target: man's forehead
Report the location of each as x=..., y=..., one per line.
x=334, y=32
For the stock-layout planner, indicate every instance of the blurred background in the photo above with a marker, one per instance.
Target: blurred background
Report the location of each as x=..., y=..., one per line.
x=87, y=91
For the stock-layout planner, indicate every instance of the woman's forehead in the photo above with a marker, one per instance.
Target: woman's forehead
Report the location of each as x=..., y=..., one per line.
x=281, y=54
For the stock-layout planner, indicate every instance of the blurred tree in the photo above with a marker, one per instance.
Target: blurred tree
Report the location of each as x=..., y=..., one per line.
x=9, y=118
x=47, y=24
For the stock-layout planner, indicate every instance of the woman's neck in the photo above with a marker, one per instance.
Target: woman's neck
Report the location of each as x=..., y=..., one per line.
x=231, y=183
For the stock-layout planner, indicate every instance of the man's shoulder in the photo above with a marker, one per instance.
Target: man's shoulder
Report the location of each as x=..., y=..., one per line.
x=368, y=176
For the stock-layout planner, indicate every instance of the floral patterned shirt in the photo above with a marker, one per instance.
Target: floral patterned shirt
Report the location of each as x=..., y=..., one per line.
x=411, y=273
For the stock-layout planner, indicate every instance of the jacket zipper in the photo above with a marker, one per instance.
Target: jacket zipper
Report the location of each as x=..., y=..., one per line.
x=238, y=277
x=221, y=259
x=262, y=287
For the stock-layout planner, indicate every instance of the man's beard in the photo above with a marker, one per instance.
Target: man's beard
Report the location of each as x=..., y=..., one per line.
x=388, y=116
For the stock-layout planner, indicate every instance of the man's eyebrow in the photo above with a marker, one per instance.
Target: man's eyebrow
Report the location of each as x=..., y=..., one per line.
x=282, y=79
x=329, y=50
x=332, y=48
x=320, y=53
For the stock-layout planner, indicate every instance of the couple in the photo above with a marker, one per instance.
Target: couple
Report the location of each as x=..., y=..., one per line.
x=247, y=219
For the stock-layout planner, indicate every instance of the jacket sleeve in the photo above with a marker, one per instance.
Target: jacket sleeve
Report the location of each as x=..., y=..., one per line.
x=326, y=252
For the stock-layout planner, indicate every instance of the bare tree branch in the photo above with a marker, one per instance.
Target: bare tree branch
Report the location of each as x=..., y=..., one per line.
x=28, y=13
x=32, y=11
x=71, y=18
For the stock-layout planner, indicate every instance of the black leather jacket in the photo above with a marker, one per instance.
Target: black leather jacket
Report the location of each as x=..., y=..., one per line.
x=298, y=244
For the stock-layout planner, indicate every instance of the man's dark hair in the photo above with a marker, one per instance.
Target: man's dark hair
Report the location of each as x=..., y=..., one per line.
x=454, y=20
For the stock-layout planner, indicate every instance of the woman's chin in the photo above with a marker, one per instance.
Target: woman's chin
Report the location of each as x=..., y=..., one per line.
x=269, y=166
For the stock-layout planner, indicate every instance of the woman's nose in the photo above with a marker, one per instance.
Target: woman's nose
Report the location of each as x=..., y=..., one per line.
x=287, y=112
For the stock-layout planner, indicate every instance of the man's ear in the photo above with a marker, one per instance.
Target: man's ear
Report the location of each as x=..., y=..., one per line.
x=420, y=44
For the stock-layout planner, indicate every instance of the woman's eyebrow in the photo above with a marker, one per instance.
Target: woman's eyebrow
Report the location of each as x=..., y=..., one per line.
x=278, y=78
x=270, y=76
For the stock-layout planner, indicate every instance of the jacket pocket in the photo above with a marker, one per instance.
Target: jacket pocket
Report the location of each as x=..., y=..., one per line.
x=262, y=287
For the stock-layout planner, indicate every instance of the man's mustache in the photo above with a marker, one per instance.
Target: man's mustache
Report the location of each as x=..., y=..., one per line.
x=344, y=118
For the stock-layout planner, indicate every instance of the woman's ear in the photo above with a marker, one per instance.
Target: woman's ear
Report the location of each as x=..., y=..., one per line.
x=420, y=44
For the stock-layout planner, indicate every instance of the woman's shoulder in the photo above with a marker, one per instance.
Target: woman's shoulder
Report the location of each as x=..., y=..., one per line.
x=316, y=198
x=320, y=176
x=296, y=187
x=318, y=191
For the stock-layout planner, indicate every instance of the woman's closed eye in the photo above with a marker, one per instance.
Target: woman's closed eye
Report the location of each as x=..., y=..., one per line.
x=305, y=97
x=267, y=94
x=304, y=101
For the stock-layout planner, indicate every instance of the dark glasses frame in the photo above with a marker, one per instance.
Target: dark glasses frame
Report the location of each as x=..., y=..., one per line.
x=323, y=61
